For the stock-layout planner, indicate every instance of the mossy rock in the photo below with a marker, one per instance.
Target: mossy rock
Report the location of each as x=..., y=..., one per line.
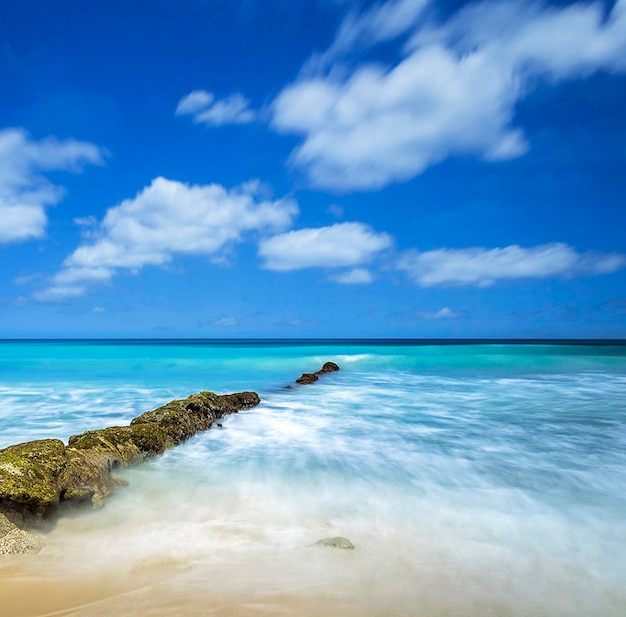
x=87, y=475
x=30, y=474
x=184, y=418
x=173, y=419
x=126, y=443
x=224, y=403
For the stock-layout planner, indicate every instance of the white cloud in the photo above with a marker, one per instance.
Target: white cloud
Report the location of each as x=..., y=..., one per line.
x=336, y=246
x=453, y=93
x=358, y=276
x=21, y=222
x=193, y=102
x=86, y=221
x=385, y=125
x=336, y=210
x=200, y=104
x=58, y=292
x=565, y=42
x=483, y=267
x=165, y=219
x=380, y=22
x=225, y=322
x=24, y=189
x=443, y=313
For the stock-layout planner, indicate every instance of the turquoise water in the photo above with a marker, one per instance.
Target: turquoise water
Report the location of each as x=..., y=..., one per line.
x=474, y=479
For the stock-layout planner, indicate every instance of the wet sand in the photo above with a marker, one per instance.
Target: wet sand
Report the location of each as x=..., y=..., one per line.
x=324, y=582
x=308, y=582
x=25, y=594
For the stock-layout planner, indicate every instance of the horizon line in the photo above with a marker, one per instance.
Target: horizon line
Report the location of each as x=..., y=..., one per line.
x=309, y=340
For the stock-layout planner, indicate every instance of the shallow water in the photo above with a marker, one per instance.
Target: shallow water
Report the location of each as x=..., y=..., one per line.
x=473, y=480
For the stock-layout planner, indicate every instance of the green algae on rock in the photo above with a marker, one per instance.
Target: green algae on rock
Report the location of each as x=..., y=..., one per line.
x=30, y=476
x=37, y=476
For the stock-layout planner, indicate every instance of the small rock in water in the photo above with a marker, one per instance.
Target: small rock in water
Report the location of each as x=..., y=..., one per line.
x=329, y=367
x=337, y=542
x=309, y=378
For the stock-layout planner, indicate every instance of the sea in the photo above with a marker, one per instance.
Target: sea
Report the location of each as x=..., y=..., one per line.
x=474, y=478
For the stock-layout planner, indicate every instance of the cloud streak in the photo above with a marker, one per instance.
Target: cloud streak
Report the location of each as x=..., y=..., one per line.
x=25, y=191
x=443, y=313
x=452, y=93
x=357, y=276
x=204, y=109
x=484, y=267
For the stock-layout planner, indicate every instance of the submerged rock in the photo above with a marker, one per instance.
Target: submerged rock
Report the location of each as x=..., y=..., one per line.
x=309, y=378
x=336, y=542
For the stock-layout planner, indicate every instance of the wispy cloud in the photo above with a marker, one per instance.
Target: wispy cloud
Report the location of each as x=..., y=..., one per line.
x=483, y=267
x=378, y=23
x=205, y=109
x=166, y=219
x=195, y=101
x=227, y=321
x=357, y=276
x=453, y=92
x=24, y=189
x=443, y=313
x=337, y=246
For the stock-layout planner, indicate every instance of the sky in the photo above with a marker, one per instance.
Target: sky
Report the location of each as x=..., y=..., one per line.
x=320, y=168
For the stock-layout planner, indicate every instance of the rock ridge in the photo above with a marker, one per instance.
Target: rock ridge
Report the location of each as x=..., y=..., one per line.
x=309, y=378
x=36, y=477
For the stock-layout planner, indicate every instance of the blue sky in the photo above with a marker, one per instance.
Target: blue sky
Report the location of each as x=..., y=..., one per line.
x=323, y=168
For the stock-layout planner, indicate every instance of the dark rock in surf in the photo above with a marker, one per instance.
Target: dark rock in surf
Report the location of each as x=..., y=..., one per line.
x=329, y=367
x=309, y=378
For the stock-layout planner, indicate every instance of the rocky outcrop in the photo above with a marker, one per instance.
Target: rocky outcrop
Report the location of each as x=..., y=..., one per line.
x=309, y=378
x=38, y=476
x=30, y=477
